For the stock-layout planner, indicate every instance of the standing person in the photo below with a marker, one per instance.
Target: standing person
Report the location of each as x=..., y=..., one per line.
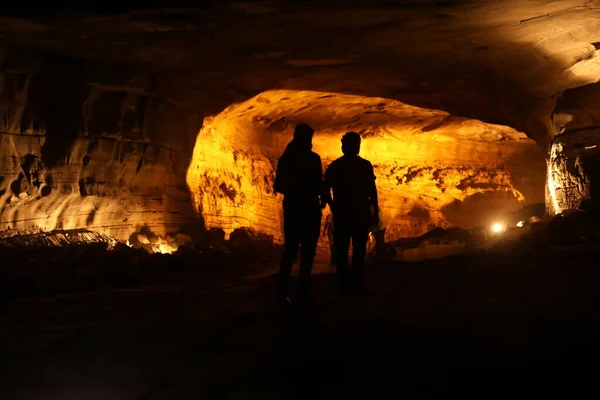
x=300, y=179
x=354, y=193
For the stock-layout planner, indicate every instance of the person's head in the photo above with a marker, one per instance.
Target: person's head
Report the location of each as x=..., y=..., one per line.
x=303, y=134
x=351, y=144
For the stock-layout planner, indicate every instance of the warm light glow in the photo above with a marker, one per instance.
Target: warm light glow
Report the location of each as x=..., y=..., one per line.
x=497, y=228
x=164, y=248
x=424, y=159
x=520, y=224
x=160, y=247
x=111, y=205
x=555, y=151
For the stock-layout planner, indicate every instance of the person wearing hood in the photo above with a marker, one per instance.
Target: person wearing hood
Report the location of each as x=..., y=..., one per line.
x=299, y=178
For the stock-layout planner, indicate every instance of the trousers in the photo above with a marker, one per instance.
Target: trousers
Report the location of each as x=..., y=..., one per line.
x=301, y=230
x=359, y=235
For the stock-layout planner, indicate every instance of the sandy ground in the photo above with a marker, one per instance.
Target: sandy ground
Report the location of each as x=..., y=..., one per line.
x=480, y=326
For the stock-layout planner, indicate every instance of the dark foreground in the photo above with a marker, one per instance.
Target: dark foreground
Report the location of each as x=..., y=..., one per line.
x=485, y=326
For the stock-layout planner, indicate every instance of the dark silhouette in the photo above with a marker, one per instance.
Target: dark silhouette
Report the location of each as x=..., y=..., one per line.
x=300, y=179
x=354, y=193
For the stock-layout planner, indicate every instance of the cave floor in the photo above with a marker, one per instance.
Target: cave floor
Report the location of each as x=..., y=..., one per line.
x=484, y=326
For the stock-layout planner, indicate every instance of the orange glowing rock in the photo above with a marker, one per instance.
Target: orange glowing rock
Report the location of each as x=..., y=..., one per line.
x=432, y=169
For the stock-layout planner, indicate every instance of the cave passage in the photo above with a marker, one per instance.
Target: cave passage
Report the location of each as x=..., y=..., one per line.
x=140, y=234
x=433, y=169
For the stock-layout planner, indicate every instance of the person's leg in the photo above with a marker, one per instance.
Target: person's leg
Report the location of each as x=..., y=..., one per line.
x=309, y=239
x=359, y=251
x=341, y=246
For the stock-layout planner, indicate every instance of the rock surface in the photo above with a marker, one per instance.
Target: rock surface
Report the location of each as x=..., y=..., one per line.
x=574, y=157
x=86, y=145
x=432, y=169
x=500, y=61
x=101, y=137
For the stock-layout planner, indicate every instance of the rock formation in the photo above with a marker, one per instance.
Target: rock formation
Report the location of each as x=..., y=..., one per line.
x=574, y=157
x=499, y=61
x=100, y=111
x=432, y=169
x=87, y=145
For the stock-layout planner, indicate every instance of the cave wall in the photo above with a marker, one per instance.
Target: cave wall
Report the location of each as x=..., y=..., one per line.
x=574, y=156
x=501, y=61
x=96, y=145
x=86, y=144
x=432, y=169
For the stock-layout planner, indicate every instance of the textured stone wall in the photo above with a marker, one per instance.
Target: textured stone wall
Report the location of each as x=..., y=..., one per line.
x=89, y=145
x=574, y=156
x=573, y=165
x=86, y=144
x=432, y=169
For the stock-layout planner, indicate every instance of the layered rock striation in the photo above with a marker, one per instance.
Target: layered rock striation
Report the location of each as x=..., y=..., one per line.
x=89, y=145
x=432, y=169
x=574, y=156
x=500, y=61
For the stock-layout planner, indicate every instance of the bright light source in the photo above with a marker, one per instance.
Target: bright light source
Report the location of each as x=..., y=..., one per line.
x=520, y=224
x=497, y=228
x=591, y=147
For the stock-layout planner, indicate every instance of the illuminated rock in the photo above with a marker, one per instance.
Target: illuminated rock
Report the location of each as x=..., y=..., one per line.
x=83, y=146
x=573, y=175
x=500, y=61
x=432, y=169
x=107, y=155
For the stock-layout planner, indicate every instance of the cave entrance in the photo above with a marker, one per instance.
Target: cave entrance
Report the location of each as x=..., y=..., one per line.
x=433, y=169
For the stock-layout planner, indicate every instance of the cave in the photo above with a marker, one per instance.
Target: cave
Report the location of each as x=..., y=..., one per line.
x=432, y=169
x=139, y=146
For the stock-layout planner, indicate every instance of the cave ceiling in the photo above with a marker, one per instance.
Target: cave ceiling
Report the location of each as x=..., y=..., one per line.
x=500, y=61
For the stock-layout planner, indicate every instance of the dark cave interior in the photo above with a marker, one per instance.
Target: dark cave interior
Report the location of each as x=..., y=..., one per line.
x=140, y=235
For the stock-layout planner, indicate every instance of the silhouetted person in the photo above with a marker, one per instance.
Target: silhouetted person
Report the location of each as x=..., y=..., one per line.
x=354, y=193
x=300, y=179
